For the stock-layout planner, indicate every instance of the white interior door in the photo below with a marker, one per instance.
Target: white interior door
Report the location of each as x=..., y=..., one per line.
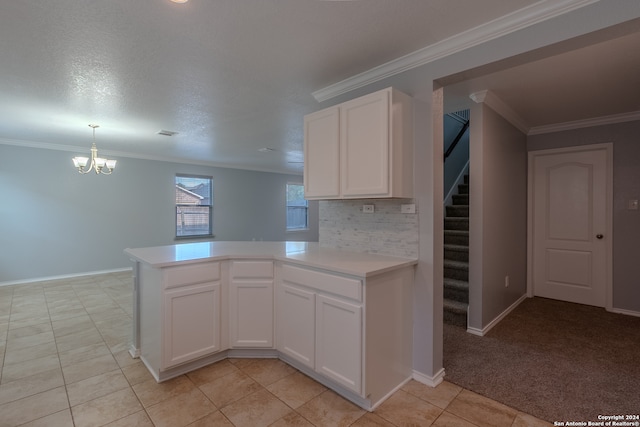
x=571, y=226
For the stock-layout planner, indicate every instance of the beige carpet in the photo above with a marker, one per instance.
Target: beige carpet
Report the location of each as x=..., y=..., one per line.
x=555, y=360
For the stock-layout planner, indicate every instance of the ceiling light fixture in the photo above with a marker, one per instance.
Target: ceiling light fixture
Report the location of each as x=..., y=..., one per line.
x=179, y=1
x=98, y=164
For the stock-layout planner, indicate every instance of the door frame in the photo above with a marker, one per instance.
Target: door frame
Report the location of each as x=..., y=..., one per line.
x=608, y=148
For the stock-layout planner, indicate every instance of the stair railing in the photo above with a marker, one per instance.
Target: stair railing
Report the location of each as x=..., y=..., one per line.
x=457, y=139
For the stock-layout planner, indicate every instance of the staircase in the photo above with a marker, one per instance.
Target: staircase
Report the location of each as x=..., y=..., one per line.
x=456, y=257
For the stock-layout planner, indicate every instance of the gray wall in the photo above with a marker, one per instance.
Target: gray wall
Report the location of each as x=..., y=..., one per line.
x=56, y=222
x=498, y=216
x=626, y=186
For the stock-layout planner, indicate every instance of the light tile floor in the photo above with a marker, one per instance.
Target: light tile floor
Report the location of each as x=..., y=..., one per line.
x=64, y=362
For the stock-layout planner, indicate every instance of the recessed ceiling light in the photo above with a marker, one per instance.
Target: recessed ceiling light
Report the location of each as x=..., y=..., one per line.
x=179, y=1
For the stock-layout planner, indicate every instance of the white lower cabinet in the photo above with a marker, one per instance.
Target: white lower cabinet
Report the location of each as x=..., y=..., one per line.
x=191, y=323
x=296, y=323
x=338, y=341
x=351, y=333
x=319, y=327
x=251, y=304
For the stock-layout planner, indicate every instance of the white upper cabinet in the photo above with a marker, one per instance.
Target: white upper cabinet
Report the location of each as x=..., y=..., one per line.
x=322, y=154
x=362, y=148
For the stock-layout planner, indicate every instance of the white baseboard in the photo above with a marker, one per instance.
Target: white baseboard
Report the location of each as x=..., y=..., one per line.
x=482, y=332
x=427, y=380
x=625, y=312
x=61, y=277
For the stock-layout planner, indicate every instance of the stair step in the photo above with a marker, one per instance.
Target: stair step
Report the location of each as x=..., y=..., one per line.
x=460, y=199
x=456, y=270
x=456, y=284
x=466, y=179
x=456, y=290
x=457, y=211
x=458, y=265
x=456, y=237
x=455, y=313
x=456, y=252
x=463, y=188
x=456, y=306
x=455, y=223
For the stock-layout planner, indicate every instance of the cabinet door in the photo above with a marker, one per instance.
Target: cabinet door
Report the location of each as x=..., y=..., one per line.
x=296, y=323
x=322, y=154
x=339, y=341
x=191, y=323
x=364, y=145
x=251, y=313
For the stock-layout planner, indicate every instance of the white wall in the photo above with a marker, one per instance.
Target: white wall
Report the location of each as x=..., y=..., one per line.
x=498, y=216
x=626, y=186
x=56, y=222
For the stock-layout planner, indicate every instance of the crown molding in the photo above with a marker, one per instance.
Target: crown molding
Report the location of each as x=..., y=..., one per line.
x=522, y=18
x=578, y=124
x=499, y=106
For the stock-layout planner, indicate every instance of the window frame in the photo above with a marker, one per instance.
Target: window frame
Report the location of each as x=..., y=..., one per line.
x=287, y=228
x=177, y=205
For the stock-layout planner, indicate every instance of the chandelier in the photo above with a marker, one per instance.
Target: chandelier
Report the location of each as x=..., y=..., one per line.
x=98, y=164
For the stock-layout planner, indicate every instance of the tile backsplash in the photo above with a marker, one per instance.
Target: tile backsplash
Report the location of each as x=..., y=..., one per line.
x=386, y=231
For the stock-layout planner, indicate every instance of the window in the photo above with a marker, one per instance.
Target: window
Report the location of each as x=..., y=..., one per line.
x=194, y=198
x=297, y=218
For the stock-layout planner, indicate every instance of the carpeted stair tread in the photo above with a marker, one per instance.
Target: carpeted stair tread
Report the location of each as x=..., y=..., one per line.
x=457, y=211
x=454, y=247
x=460, y=199
x=456, y=223
x=458, y=265
x=456, y=237
x=457, y=232
x=456, y=284
x=456, y=252
x=455, y=306
x=456, y=290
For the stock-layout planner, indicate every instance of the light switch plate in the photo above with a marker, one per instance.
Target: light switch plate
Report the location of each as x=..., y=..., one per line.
x=367, y=208
x=633, y=205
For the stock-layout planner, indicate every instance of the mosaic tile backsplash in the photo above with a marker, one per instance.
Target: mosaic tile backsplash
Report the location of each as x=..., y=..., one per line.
x=386, y=231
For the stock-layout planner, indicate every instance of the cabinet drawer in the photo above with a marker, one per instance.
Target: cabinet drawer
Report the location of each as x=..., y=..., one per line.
x=338, y=285
x=251, y=269
x=191, y=274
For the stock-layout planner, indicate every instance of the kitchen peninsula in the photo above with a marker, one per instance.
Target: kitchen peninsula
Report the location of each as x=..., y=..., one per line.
x=343, y=318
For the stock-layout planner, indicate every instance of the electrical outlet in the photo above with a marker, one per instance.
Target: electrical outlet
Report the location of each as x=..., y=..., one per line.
x=408, y=209
x=367, y=208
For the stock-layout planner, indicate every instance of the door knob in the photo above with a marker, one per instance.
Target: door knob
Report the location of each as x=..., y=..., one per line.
x=599, y=236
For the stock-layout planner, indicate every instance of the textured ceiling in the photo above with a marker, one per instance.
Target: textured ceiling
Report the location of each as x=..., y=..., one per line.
x=230, y=76
x=582, y=80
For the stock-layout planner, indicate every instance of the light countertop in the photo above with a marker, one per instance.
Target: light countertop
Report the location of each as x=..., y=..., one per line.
x=309, y=254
